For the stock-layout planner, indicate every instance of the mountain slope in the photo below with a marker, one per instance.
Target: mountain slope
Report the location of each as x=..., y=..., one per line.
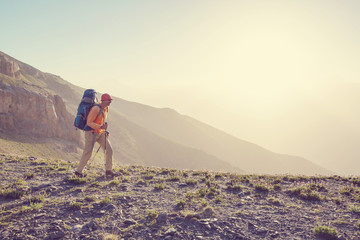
x=131, y=142
x=162, y=137
x=190, y=132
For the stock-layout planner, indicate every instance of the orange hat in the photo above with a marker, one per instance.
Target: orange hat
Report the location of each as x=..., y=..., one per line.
x=105, y=96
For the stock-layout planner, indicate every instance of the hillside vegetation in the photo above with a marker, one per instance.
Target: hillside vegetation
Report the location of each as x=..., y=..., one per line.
x=41, y=199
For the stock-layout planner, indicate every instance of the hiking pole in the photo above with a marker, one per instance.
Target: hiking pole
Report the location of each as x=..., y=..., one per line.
x=106, y=134
x=96, y=153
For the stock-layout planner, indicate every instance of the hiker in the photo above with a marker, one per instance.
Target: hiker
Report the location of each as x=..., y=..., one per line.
x=96, y=121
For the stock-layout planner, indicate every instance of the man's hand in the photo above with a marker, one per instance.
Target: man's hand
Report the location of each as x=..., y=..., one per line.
x=104, y=126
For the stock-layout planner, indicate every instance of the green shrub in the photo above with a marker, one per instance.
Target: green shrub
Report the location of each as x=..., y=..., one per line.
x=218, y=199
x=124, y=172
x=32, y=207
x=204, y=203
x=244, y=179
x=310, y=196
x=354, y=209
x=325, y=232
x=180, y=204
x=357, y=225
x=295, y=191
x=114, y=183
x=317, y=187
x=152, y=214
x=76, y=205
x=90, y=198
x=62, y=169
x=29, y=175
x=355, y=181
x=190, y=196
x=95, y=184
x=126, y=179
x=158, y=187
x=148, y=176
x=274, y=201
x=236, y=188
x=77, y=180
x=277, y=181
x=212, y=192
x=191, y=182
x=165, y=171
x=105, y=201
x=13, y=193
x=305, y=193
x=173, y=178
x=185, y=174
x=337, y=201
x=219, y=175
x=38, y=198
x=202, y=192
x=141, y=182
x=347, y=191
x=261, y=188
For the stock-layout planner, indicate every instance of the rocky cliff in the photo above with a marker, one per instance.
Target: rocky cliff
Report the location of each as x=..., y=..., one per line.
x=9, y=68
x=29, y=109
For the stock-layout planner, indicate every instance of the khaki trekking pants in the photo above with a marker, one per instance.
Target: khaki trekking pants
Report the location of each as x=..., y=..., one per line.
x=89, y=141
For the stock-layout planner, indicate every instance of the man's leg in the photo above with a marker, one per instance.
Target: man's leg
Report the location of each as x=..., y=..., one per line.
x=89, y=141
x=109, y=151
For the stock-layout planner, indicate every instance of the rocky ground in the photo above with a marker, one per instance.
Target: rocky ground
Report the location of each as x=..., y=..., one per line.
x=41, y=199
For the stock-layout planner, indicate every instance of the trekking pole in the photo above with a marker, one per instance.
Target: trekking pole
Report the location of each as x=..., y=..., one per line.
x=95, y=154
x=106, y=133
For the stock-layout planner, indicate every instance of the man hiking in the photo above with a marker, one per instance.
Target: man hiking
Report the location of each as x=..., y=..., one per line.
x=96, y=121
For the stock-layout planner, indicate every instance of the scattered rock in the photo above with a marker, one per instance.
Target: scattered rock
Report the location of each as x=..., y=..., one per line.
x=130, y=222
x=52, y=188
x=208, y=213
x=162, y=218
x=262, y=230
x=170, y=231
x=90, y=226
x=39, y=215
x=57, y=235
x=110, y=208
x=77, y=228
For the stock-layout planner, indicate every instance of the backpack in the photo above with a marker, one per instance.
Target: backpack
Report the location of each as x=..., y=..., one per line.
x=87, y=102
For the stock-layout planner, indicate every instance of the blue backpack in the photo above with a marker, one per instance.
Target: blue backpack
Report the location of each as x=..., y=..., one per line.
x=87, y=102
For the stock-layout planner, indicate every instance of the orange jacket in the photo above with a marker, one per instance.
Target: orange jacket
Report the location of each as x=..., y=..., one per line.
x=96, y=122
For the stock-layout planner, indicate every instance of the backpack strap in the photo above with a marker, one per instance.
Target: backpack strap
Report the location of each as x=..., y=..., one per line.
x=100, y=112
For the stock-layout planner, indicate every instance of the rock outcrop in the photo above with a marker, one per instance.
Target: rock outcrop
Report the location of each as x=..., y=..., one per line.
x=14, y=68
x=28, y=109
x=9, y=67
x=35, y=114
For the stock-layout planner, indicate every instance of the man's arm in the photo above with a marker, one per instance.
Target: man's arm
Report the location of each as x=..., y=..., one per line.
x=94, y=111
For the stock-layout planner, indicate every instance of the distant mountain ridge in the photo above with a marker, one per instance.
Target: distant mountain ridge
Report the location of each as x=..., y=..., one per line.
x=141, y=134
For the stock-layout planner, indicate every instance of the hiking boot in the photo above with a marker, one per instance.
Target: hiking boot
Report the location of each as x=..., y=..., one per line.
x=110, y=173
x=80, y=174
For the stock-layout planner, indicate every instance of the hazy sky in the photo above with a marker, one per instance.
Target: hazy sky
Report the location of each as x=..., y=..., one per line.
x=283, y=74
